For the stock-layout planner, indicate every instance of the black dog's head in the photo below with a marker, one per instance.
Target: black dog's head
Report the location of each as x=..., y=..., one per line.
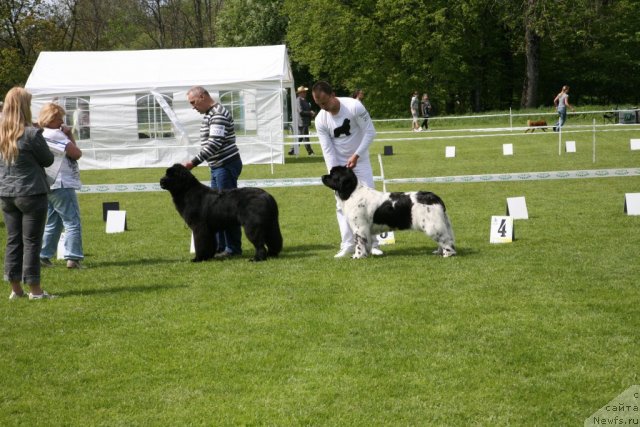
x=178, y=179
x=341, y=179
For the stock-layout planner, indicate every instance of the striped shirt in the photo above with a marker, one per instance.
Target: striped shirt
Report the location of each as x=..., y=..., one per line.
x=217, y=138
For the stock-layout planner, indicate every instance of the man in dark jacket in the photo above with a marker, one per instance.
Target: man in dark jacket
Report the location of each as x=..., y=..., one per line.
x=305, y=114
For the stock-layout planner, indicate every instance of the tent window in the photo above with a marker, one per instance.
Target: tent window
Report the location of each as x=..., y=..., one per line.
x=77, y=116
x=153, y=122
x=233, y=101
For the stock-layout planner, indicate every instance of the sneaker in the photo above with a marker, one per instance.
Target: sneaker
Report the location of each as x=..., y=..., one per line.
x=43, y=295
x=345, y=251
x=376, y=252
x=16, y=296
x=74, y=263
x=46, y=262
x=225, y=255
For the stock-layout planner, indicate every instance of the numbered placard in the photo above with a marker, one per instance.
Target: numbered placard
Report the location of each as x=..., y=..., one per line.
x=450, y=151
x=116, y=221
x=387, y=238
x=632, y=203
x=502, y=229
x=507, y=149
x=635, y=144
x=517, y=208
x=570, y=146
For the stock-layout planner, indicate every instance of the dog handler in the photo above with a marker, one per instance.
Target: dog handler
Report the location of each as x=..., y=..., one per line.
x=219, y=150
x=345, y=131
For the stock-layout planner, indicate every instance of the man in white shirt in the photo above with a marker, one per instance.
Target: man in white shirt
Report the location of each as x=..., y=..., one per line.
x=345, y=132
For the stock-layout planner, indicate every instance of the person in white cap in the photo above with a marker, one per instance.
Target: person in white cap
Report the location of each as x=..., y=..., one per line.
x=345, y=131
x=305, y=114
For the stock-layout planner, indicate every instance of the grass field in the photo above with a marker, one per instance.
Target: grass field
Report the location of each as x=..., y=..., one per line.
x=541, y=331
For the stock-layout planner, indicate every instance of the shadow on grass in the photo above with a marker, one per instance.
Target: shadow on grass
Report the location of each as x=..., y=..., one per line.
x=418, y=251
x=112, y=290
x=299, y=251
x=141, y=261
x=304, y=251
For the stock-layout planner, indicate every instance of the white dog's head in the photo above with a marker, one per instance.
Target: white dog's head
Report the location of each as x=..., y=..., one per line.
x=341, y=179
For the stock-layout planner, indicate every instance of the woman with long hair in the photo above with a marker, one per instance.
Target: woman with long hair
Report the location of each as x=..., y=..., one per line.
x=561, y=101
x=23, y=193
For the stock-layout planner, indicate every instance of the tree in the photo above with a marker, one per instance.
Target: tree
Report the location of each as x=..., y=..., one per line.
x=25, y=31
x=251, y=23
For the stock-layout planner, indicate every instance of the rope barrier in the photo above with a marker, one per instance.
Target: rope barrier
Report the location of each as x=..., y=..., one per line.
x=303, y=182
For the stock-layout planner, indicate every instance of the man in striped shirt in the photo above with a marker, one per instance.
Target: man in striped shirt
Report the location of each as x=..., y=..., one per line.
x=219, y=150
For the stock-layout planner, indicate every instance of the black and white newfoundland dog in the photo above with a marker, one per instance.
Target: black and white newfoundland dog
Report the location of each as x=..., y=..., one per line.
x=370, y=212
x=207, y=211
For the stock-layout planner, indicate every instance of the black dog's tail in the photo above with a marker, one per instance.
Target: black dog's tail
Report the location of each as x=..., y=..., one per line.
x=273, y=238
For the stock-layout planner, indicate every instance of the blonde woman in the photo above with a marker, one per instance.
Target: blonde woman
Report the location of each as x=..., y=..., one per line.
x=63, y=211
x=23, y=193
x=561, y=101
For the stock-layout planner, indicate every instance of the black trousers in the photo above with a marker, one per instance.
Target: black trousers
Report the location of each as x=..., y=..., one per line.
x=304, y=130
x=24, y=219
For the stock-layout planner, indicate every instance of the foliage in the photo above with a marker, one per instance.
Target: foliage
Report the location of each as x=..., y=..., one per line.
x=251, y=23
x=474, y=55
x=467, y=55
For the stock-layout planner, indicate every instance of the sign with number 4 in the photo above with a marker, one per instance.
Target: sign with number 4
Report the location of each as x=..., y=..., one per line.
x=386, y=238
x=501, y=229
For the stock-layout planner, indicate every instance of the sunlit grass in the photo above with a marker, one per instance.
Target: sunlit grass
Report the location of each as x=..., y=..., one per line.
x=541, y=331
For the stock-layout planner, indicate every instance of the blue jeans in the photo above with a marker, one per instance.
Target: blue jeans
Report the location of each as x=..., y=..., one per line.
x=562, y=117
x=226, y=178
x=24, y=219
x=63, y=213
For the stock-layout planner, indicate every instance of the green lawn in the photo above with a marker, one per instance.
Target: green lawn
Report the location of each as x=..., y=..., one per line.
x=541, y=331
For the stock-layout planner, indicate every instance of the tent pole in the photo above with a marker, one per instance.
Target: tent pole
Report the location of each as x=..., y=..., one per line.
x=271, y=150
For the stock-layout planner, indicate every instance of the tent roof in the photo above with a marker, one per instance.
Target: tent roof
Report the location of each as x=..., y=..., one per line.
x=68, y=72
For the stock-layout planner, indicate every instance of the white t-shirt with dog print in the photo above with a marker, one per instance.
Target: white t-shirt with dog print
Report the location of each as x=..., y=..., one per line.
x=348, y=132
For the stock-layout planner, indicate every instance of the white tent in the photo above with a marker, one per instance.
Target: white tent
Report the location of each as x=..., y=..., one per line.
x=129, y=108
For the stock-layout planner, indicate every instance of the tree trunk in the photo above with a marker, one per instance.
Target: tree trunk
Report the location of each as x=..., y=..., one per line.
x=532, y=59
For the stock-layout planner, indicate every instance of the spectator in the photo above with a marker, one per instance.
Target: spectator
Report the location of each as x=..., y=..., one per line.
x=305, y=114
x=345, y=131
x=63, y=211
x=426, y=109
x=561, y=101
x=358, y=94
x=414, y=106
x=23, y=194
x=219, y=150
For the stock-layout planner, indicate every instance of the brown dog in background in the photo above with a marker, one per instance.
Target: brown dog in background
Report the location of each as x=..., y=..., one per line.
x=536, y=124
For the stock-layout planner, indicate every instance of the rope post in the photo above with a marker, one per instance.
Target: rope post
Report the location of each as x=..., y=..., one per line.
x=510, y=120
x=559, y=140
x=594, y=140
x=384, y=184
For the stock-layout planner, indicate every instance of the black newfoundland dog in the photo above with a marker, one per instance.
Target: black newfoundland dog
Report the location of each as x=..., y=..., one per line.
x=207, y=211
